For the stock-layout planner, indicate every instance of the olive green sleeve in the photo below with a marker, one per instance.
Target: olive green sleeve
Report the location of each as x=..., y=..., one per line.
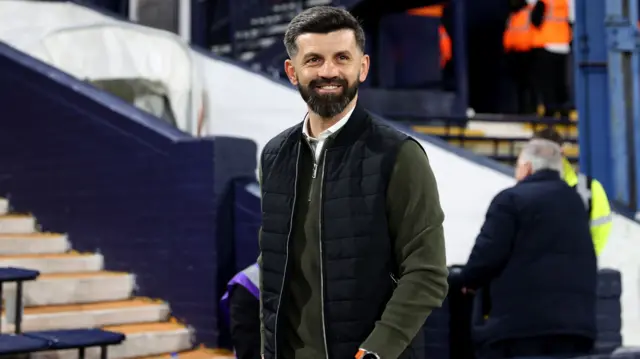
x=415, y=225
x=260, y=265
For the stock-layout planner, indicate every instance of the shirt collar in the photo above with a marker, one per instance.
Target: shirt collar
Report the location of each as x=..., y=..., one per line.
x=329, y=131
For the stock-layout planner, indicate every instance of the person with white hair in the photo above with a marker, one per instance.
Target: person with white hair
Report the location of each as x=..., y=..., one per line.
x=534, y=266
x=538, y=155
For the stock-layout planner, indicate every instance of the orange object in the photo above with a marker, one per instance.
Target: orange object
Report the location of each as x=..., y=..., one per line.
x=555, y=27
x=518, y=35
x=427, y=11
x=446, y=50
x=445, y=41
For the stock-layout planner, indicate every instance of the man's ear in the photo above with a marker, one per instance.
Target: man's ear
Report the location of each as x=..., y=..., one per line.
x=364, y=67
x=290, y=70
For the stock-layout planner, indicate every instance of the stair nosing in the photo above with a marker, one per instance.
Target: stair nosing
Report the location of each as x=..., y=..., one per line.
x=85, y=274
x=87, y=307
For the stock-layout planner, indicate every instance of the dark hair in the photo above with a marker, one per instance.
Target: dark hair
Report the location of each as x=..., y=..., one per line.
x=321, y=20
x=550, y=134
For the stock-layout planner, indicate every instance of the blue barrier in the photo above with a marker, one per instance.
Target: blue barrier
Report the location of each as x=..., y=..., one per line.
x=117, y=180
x=247, y=221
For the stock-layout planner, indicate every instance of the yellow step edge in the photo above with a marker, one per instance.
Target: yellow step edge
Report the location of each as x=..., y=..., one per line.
x=132, y=303
x=145, y=327
x=81, y=275
x=560, y=128
x=200, y=353
x=71, y=254
x=452, y=131
x=15, y=215
x=33, y=235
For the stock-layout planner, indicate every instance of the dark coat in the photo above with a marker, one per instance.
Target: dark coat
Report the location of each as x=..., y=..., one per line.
x=535, y=261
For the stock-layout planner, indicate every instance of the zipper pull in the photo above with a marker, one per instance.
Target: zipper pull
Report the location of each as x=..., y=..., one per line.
x=315, y=170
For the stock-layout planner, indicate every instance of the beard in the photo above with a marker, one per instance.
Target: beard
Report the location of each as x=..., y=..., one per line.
x=328, y=105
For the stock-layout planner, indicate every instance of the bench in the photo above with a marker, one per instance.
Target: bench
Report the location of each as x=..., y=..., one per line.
x=80, y=339
x=24, y=343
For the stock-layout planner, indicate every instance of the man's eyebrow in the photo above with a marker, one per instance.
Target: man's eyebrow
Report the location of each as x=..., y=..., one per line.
x=344, y=52
x=312, y=54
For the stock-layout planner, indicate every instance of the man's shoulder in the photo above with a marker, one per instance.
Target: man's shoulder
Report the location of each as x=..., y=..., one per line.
x=507, y=195
x=386, y=131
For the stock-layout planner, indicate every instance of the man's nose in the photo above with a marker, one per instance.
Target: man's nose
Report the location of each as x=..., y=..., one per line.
x=328, y=70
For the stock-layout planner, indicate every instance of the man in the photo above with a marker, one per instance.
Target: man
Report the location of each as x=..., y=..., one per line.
x=590, y=190
x=241, y=305
x=551, y=36
x=517, y=41
x=535, y=264
x=352, y=248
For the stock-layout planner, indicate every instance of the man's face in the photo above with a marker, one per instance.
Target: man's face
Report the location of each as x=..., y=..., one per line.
x=327, y=69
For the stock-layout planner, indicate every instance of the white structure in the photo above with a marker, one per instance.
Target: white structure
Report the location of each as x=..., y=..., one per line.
x=153, y=69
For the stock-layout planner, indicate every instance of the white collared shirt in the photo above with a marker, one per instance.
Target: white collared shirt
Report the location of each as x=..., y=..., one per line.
x=317, y=143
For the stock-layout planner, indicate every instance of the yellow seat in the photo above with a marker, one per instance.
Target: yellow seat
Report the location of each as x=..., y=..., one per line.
x=571, y=150
x=451, y=131
x=564, y=130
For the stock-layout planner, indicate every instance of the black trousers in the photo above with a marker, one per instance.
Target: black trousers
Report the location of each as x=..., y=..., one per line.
x=519, y=66
x=244, y=310
x=549, y=81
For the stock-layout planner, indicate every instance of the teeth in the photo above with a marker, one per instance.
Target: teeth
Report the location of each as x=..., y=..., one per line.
x=329, y=87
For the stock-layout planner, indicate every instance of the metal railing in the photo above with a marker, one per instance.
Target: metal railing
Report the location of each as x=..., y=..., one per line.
x=500, y=148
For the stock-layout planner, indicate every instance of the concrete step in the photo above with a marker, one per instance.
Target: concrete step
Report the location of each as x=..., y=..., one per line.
x=4, y=206
x=33, y=243
x=74, y=288
x=200, y=353
x=93, y=315
x=17, y=223
x=143, y=340
x=55, y=263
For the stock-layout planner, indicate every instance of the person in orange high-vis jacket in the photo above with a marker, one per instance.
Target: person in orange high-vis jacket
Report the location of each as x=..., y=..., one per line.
x=446, y=51
x=435, y=11
x=551, y=43
x=517, y=42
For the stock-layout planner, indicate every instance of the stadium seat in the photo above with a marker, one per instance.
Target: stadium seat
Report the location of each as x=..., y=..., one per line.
x=626, y=353
x=609, y=283
x=436, y=333
x=445, y=132
x=48, y=340
x=18, y=276
x=19, y=344
x=609, y=311
x=79, y=339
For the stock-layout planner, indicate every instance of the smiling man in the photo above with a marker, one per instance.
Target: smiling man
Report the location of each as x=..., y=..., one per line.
x=352, y=246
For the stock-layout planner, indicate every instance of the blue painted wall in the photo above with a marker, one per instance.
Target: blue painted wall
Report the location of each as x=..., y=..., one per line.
x=119, y=181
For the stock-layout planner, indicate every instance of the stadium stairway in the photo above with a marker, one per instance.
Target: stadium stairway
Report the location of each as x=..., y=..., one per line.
x=74, y=291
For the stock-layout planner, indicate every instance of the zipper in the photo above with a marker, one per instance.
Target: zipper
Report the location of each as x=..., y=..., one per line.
x=313, y=175
x=315, y=167
x=286, y=260
x=324, y=327
x=393, y=279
